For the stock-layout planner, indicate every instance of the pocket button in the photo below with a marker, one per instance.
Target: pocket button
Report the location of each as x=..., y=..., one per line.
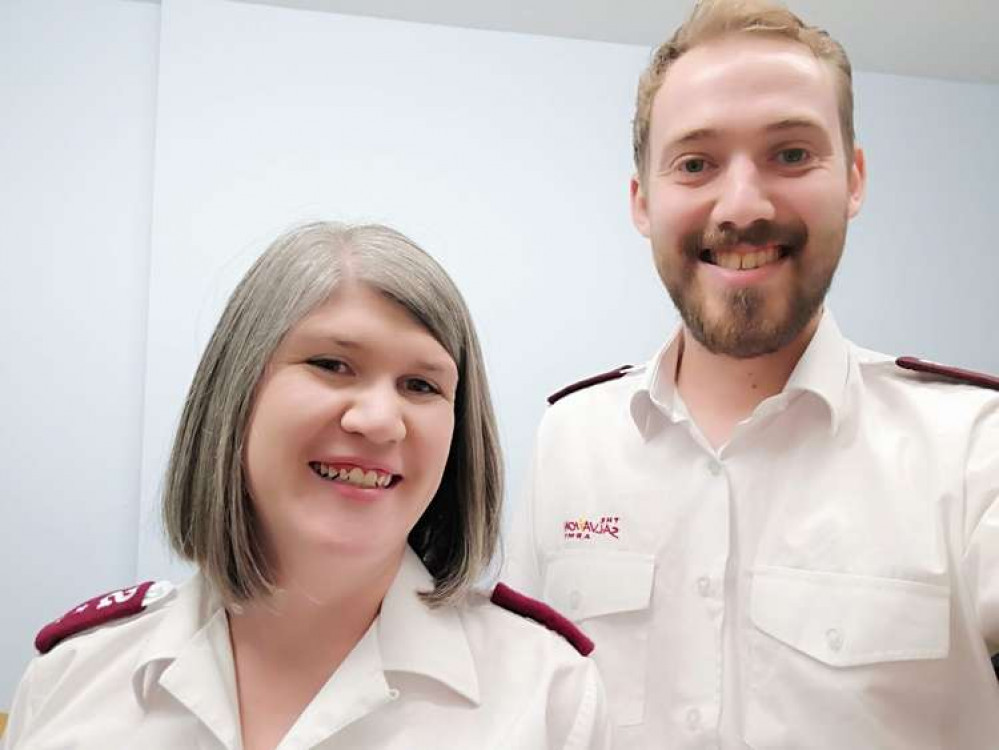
x=693, y=719
x=704, y=586
x=834, y=638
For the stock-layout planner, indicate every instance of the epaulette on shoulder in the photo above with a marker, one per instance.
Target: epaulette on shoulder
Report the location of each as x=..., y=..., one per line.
x=114, y=605
x=523, y=605
x=952, y=373
x=603, y=377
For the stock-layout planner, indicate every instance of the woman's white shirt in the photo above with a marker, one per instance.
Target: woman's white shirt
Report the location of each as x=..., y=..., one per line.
x=467, y=676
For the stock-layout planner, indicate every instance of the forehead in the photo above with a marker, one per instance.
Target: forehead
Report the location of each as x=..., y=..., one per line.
x=364, y=316
x=355, y=303
x=744, y=82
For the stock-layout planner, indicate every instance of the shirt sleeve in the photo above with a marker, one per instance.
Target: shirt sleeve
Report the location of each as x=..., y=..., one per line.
x=20, y=712
x=521, y=569
x=981, y=556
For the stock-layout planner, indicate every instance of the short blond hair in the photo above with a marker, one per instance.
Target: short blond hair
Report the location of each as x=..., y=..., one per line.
x=207, y=511
x=712, y=19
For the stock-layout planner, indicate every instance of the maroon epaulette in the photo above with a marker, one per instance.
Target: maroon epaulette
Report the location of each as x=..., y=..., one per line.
x=954, y=373
x=587, y=382
x=102, y=609
x=507, y=598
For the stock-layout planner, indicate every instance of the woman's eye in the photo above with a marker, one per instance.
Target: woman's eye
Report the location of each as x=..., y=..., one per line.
x=419, y=385
x=792, y=156
x=335, y=366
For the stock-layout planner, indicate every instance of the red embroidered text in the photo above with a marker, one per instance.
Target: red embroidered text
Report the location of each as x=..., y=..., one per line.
x=583, y=528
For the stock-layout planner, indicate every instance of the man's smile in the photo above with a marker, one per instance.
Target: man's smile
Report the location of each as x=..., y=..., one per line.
x=744, y=260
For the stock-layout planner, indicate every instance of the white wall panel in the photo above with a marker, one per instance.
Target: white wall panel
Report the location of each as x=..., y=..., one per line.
x=77, y=107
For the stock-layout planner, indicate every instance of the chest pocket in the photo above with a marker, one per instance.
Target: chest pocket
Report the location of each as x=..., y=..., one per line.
x=860, y=655
x=608, y=593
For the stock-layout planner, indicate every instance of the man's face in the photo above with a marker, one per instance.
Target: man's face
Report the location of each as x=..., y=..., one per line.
x=748, y=191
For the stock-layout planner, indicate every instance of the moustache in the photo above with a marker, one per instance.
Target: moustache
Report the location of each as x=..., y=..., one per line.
x=790, y=236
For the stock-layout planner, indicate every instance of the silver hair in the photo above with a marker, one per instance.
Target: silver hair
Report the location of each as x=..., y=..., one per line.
x=207, y=512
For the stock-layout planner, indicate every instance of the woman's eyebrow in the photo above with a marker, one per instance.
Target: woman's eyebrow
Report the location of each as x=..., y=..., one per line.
x=436, y=366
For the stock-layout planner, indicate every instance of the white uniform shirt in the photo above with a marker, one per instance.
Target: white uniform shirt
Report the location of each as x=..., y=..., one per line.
x=827, y=579
x=472, y=676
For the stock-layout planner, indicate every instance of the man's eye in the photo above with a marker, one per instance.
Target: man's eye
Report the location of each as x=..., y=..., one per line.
x=693, y=166
x=335, y=366
x=792, y=156
x=419, y=385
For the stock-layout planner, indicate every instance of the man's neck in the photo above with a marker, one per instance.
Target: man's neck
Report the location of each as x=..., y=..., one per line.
x=721, y=391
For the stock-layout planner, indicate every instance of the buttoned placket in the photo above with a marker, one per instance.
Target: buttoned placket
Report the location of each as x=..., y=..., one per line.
x=708, y=590
x=715, y=586
x=696, y=701
x=698, y=712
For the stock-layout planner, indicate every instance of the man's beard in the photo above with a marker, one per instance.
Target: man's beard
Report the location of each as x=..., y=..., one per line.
x=745, y=328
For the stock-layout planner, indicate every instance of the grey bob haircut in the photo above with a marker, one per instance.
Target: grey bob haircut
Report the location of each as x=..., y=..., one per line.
x=207, y=511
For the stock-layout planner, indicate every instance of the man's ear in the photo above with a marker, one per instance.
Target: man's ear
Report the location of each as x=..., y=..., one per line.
x=639, y=206
x=857, y=182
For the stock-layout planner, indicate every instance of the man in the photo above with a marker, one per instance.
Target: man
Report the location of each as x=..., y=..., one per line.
x=775, y=538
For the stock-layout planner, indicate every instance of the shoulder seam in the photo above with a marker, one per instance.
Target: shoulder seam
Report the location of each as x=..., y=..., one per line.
x=956, y=374
x=101, y=610
x=603, y=377
x=521, y=604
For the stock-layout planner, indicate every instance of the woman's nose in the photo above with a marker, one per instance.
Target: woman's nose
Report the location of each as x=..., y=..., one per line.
x=375, y=413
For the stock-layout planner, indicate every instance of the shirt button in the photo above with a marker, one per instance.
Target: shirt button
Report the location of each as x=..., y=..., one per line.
x=574, y=600
x=834, y=638
x=393, y=694
x=703, y=585
x=693, y=719
x=714, y=467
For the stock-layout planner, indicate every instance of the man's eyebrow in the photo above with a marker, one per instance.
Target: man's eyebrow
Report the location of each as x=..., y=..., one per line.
x=688, y=138
x=704, y=134
x=692, y=136
x=792, y=123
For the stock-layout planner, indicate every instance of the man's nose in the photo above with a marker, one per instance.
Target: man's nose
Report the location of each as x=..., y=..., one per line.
x=744, y=196
x=376, y=413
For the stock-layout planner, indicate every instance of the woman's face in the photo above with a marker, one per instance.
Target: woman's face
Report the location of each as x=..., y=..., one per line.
x=350, y=430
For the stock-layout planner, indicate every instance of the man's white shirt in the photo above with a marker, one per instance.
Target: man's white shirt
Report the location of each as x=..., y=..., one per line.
x=827, y=579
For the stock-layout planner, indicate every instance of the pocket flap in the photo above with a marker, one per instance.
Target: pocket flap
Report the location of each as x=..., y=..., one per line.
x=847, y=620
x=590, y=583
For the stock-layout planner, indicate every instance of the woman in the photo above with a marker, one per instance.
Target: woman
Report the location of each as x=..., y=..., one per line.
x=336, y=479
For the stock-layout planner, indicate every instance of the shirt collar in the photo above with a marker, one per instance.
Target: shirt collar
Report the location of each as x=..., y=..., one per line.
x=189, y=612
x=653, y=401
x=823, y=370
x=412, y=637
x=188, y=653
x=415, y=638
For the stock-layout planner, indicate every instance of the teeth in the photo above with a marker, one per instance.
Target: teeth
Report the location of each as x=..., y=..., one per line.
x=745, y=261
x=356, y=476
